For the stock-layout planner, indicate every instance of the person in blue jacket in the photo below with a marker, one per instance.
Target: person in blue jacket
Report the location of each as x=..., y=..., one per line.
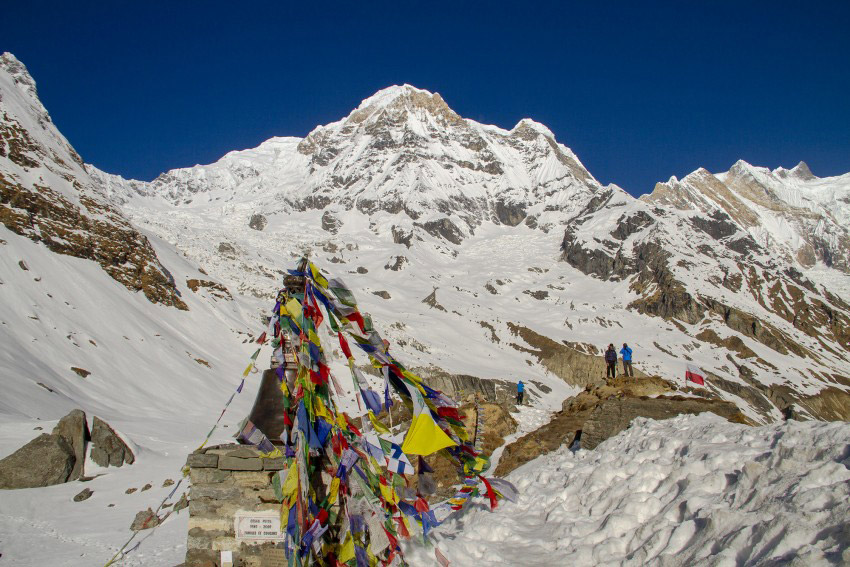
x=626, y=351
x=520, y=392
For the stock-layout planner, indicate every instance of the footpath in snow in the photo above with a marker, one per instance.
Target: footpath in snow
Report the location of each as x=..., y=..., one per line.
x=693, y=490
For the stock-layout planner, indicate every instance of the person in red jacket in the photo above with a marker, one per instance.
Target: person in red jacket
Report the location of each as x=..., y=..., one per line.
x=611, y=361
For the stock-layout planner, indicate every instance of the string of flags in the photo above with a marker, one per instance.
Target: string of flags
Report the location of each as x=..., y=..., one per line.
x=349, y=494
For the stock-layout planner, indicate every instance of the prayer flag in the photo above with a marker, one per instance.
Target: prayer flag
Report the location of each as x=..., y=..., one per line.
x=695, y=375
x=398, y=462
x=424, y=436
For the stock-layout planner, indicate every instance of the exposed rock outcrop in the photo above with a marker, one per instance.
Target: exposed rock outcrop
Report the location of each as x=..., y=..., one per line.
x=614, y=415
x=75, y=431
x=44, y=461
x=258, y=222
x=604, y=410
x=108, y=449
x=215, y=289
x=573, y=366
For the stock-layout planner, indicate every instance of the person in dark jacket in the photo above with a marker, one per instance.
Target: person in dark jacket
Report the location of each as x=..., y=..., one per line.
x=626, y=351
x=520, y=392
x=611, y=360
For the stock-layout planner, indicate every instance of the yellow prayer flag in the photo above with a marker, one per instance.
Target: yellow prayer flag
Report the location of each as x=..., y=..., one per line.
x=346, y=551
x=379, y=427
x=314, y=338
x=248, y=370
x=291, y=484
x=334, y=490
x=425, y=437
x=461, y=432
x=412, y=377
x=389, y=494
x=294, y=309
x=319, y=408
x=317, y=277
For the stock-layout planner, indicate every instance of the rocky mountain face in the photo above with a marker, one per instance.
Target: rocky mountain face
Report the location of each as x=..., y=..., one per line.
x=497, y=240
x=748, y=253
x=403, y=152
x=47, y=195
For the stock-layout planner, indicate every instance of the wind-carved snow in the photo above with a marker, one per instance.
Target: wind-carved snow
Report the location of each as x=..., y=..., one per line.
x=692, y=490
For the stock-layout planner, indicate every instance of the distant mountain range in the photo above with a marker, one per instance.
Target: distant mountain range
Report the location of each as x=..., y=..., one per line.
x=481, y=251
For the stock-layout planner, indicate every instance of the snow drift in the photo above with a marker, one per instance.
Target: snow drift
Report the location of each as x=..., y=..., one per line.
x=685, y=491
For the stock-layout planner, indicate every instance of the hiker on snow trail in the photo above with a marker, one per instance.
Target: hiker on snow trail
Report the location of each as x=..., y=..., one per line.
x=520, y=392
x=611, y=360
x=627, y=360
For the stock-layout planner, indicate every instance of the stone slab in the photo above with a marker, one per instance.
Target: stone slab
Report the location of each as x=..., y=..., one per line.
x=202, y=461
x=244, y=453
x=274, y=464
x=237, y=464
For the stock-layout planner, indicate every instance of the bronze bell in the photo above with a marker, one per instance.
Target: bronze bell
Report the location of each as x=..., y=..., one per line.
x=267, y=412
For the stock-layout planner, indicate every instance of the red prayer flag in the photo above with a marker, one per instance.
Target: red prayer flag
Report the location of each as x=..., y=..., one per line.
x=695, y=375
x=344, y=346
x=490, y=494
x=441, y=559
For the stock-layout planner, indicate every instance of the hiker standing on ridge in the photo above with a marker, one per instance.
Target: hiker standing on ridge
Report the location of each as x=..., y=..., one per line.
x=611, y=360
x=520, y=392
x=627, y=360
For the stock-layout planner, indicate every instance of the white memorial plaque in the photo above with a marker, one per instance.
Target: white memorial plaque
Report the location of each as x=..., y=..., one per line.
x=257, y=526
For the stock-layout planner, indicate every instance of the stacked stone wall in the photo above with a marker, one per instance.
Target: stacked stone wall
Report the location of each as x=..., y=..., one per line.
x=228, y=479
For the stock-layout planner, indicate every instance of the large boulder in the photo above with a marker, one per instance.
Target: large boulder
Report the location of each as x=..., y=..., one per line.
x=108, y=449
x=74, y=429
x=44, y=461
x=616, y=414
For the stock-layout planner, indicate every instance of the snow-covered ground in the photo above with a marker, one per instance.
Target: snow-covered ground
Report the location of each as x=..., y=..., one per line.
x=693, y=490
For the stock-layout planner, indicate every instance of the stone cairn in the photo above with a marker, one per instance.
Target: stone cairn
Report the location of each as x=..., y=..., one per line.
x=227, y=479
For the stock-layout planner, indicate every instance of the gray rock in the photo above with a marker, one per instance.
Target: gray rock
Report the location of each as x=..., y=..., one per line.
x=44, y=461
x=616, y=414
x=330, y=222
x=274, y=464
x=145, y=520
x=108, y=449
x=396, y=263
x=258, y=222
x=74, y=429
x=84, y=495
x=202, y=461
x=238, y=464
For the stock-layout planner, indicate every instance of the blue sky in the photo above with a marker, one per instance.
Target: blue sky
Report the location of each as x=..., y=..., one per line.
x=639, y=90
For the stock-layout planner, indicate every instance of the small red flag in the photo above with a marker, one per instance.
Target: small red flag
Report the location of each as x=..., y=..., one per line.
x=695, y=375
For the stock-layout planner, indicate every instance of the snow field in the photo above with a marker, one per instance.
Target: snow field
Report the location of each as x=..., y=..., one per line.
x=693, y=490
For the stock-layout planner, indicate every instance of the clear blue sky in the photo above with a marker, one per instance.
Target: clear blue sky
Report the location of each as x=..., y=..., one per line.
x=639, y=90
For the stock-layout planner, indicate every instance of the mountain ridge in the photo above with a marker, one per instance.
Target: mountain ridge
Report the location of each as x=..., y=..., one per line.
x=506, y=236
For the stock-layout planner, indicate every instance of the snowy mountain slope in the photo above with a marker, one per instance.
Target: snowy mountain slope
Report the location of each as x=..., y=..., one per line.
x=402, y=150
x=158, y=375
x=448, y=231
x=71, y=265
x=791, y=213
x=47, y=195
x=693, y=490
x=691, y=253
x=406, y=196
